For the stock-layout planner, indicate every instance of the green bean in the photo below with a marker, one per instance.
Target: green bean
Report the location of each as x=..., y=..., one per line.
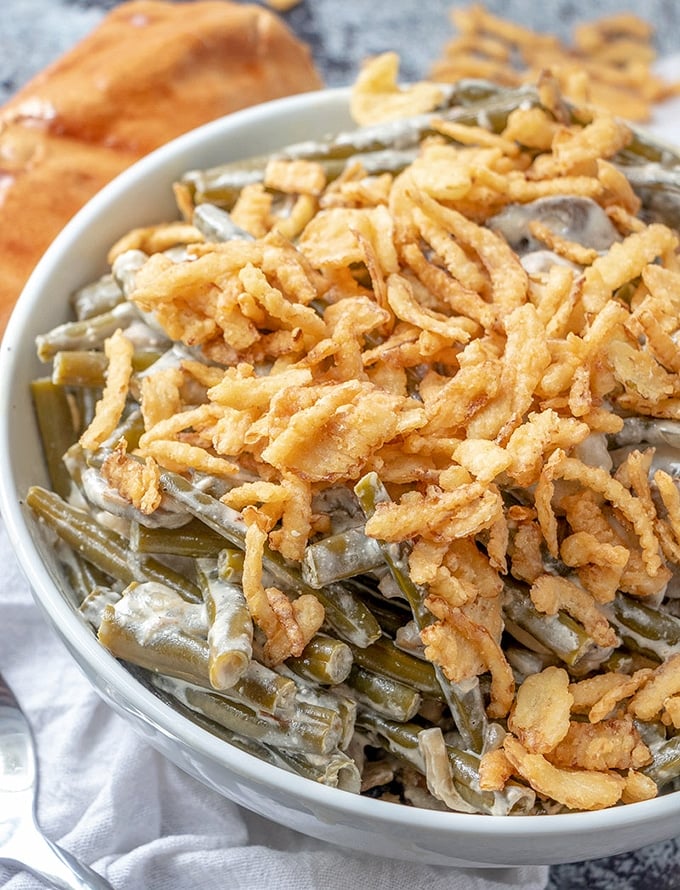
x=57, y=431
x=465, y=702
x=335, y=700
x=383, y=657
x=558, y=634
x=401, y=739
x=658, y=187
x=665, y=767
x=125, y=268
x=230, y=627
x=334, y=769
x=627, y=661
x=345, y=613
x=155, y=629
x=372, y=146
x=87, y=334
x=370, y=491
x=646, y=629
x=82, y=576
x=230, y=562
x=391, y=613
x=194, y=539
x=384, y=695
x=81, y=367
x=348, y=616
x=76, y=463
x=86, y=403
x=101, y=546
x=646, y=147
x=217, y=225
x=130, y=428
x=168, y=649
x=94, y=299
x=340, y=556
x=263, y=690
x=310, y=730
x=651, y=430
x=654, y=172
x=324, y=660
x=525, y=662
x=222, y=185
x=93, y=605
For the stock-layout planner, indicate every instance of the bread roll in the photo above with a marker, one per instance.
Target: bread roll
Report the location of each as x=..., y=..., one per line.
x=151, y=71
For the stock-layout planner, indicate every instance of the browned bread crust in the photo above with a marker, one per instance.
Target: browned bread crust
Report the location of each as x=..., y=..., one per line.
x=151, y=71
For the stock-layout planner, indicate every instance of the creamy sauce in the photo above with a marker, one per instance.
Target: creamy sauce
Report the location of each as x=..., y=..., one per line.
x=149, y=611
x=574, y=218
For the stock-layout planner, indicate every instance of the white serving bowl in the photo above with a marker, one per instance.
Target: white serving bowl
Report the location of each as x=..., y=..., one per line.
x=140, y=196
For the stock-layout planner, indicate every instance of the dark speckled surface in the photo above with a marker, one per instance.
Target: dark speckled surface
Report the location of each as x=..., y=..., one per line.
x=34, y=32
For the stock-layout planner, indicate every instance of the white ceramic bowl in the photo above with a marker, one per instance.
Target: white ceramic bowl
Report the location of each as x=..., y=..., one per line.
x=142, y=195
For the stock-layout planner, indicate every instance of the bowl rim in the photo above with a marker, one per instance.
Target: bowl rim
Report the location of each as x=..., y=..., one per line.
x=115, y=676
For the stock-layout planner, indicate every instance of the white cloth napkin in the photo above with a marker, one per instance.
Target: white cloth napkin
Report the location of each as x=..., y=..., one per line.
x=113, y=801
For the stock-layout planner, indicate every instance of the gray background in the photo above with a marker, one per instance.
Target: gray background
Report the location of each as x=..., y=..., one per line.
x=341, y=33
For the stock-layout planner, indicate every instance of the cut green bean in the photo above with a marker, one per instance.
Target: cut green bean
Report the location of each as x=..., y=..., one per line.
x=558, y=634
x=324, y=660
x=94, y=604
x=665, y=767
x=384, y=695
x=96, y=298
x=217, y=225
x=310, y=730
x=334, y=700
x=79, y=367
x=391, y=613
x=125, y=268
x=221, y=186
x=150, y=627
x=383, y=658
x=384, y=147
x=229, y=562
x=263, y=690
x=348, y=616
x=87, y=367
x=82, y=576
x=130, y=428
x=464, y=701
x=335, y=769
x=627, y=661
x=102, y=547
x=54, y=415
x=646, y=629
x=194, y=539
x=153, y=628
x=230, y=627
x=401, y=739
x=87, y=334
x=340, y=556
x=86, y=402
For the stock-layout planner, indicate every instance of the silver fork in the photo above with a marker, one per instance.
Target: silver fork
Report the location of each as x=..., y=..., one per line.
x=22, y=843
